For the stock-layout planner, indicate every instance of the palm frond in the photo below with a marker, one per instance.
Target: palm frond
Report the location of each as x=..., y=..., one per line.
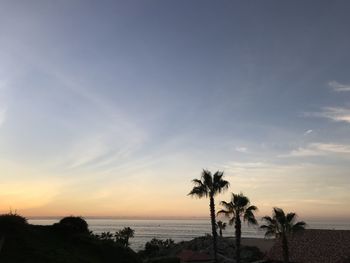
x=197, y=182
x=227, y=205
x=268, y=219
x=281, y=224
x=219, y=184
x=207, y=179
x=298, y=226
x=241, y=200
x=252, y=208
x=199, y=191
x=224, y=212
x=290, y=217
x=279, y=215
x=251, y=220
x=217, y=177
x=222, y=186
x=250, y=217
x=269, y=231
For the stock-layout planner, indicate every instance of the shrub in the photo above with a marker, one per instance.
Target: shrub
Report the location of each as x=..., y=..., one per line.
x=74, y=224
x=12, y=222
x=155, y=245
x=105, y=236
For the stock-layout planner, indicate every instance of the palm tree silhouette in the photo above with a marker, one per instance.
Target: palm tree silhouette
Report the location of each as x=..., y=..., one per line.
x=281, y=225
x=238, y=208
x=123, y=236
x=106, y=236
x=221, y=225
x=209, y=186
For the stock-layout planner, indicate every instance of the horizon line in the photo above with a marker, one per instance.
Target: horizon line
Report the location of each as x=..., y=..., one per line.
x=40, y=217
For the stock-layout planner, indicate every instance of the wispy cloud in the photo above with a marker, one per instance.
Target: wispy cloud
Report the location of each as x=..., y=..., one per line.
x=336, y=86
x=308, y=132
x=241, y=149
x=332, y=113
x=2, y=115
x=319, y=149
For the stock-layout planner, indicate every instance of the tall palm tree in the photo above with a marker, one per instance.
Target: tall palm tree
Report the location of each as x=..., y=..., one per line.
x=221, y=225
x=239, y=208
x=281, y=225
x=209, y=186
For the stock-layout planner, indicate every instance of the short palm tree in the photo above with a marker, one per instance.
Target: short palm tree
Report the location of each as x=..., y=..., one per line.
x=239, y=208
x=281, y=225
x=209, y=186
x=221, y=225
x=106, y=236
x=123, y=236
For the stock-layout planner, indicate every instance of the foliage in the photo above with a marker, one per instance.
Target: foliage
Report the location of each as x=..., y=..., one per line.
x=239, y=208
x=122, y=236
x=222, y=226
x=209, y=186
x=106, y=236
x=155, y=245
x=42, y=244
x=12, y=222
x=281, y=225
x=74, y=224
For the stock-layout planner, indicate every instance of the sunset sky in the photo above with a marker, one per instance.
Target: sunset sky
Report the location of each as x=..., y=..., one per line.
x=111, y=108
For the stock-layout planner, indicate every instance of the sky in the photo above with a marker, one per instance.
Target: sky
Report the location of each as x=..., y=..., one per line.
x=111, y=108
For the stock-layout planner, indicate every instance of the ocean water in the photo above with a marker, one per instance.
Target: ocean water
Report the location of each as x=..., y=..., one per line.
x=178, y=230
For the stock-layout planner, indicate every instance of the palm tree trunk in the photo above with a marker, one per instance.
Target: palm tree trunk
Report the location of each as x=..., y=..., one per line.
x=220, y=232
x=127, y=241
x=238, y=233
x=285, y=248
x=213, y=226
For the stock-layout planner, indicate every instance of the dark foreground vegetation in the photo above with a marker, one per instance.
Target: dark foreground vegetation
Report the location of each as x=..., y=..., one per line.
x=167, y=251
x=68, y=241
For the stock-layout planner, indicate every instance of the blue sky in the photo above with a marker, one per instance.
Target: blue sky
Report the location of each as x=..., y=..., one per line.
x=111, y=108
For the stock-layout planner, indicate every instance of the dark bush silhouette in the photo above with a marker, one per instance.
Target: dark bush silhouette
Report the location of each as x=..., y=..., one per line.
x=54, y=244
x=106, y=236
x=155, y=245
x=12, y=222
x=74, y=224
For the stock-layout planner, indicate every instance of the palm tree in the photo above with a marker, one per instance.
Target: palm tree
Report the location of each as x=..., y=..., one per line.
x=221, y=225
x=122, y=236
x=209, y=186
x=239, y=208
x=106, y=236
x=281, y=225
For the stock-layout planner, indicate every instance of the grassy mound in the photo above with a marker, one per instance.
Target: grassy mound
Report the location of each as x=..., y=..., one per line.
x=27, y=243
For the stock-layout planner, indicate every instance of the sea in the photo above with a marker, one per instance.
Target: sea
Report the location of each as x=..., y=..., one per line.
x=178, y=229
